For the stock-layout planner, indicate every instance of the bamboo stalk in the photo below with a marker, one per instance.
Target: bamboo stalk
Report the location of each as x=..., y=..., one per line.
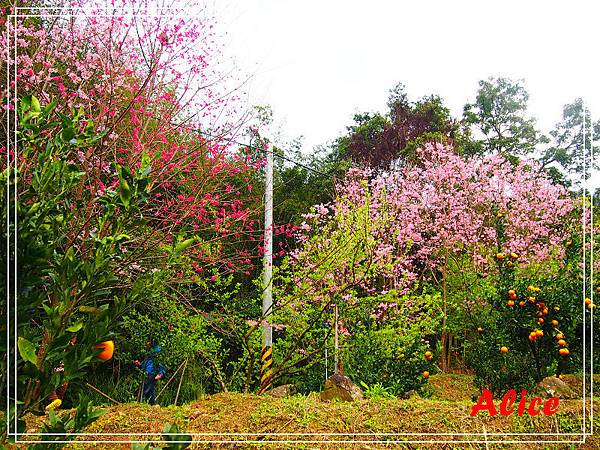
x=102, y=393
x=171, y=379
x=180, y=381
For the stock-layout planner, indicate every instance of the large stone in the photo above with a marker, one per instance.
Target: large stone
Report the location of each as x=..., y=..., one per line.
x=340, y=387
x=555, y=387
x=412, y=394
x=284, y=390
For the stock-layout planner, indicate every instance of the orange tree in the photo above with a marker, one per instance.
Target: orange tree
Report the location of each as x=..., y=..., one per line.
x=535, y=313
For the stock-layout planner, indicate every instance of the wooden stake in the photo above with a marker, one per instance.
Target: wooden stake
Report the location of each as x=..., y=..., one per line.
x=170, y=379
x=102, y=393
x=180, y=381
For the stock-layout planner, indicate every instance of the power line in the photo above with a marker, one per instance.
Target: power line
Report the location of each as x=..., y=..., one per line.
x=285, y=158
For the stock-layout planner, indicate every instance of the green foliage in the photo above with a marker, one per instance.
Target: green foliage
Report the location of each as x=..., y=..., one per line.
x=568, y=136
x=173, y=437
x=61, y=428
x=67, y=287
x=500, y=113
x=376, y=391
x=559, y=299
x=497, y=371
x=390, y=351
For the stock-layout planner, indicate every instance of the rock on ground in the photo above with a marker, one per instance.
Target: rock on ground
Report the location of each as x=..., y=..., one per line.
x=340, y=387
x=284, y=390
x=555, y=387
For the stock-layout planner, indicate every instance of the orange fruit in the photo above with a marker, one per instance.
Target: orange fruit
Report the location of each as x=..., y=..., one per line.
x=510, y=303
x=532, y=336
x=108, y=348
x=545, y=311
x=426, y=373
x=540, y=321
x=521, y=303
x=539, y=333
x=503, y=349
x=511, y=292
x=559, y=336
x=500, y=255
x=562, y=342
x=564, y=351
x=554, y=322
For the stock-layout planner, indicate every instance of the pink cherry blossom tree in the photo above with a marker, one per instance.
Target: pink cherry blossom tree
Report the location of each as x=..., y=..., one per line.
x=423, y=215
x=154, y=81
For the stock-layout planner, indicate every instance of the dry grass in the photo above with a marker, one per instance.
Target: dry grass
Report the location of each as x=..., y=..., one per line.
x=446, y=412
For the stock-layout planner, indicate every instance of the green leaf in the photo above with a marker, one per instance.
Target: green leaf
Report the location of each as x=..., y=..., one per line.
x=184, y=244
x=90, y=310
x=176, y=442
x=27, y=350
x=75, y=327
x=124, y=192
x=35, y=104
x=25, y=103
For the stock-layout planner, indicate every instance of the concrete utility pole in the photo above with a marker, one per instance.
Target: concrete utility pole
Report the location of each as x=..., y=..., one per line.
x=336, y=344
x=267, y=300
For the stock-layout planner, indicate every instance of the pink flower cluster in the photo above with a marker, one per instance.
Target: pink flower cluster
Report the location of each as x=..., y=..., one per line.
x=420, y=214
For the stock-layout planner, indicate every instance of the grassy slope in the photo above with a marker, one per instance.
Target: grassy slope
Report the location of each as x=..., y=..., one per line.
x=446, y=412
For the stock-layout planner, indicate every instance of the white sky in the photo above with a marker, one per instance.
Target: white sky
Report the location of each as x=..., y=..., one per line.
x=318, y=62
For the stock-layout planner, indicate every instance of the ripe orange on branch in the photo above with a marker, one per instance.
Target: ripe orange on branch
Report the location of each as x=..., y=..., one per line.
x=108, y=348
x=503, y=349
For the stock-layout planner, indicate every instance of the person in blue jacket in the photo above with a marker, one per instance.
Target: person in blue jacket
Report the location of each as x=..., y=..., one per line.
x=154, y=371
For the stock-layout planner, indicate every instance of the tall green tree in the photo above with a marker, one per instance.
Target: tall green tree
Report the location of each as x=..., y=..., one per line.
x=566, y=148
x=499, y=115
